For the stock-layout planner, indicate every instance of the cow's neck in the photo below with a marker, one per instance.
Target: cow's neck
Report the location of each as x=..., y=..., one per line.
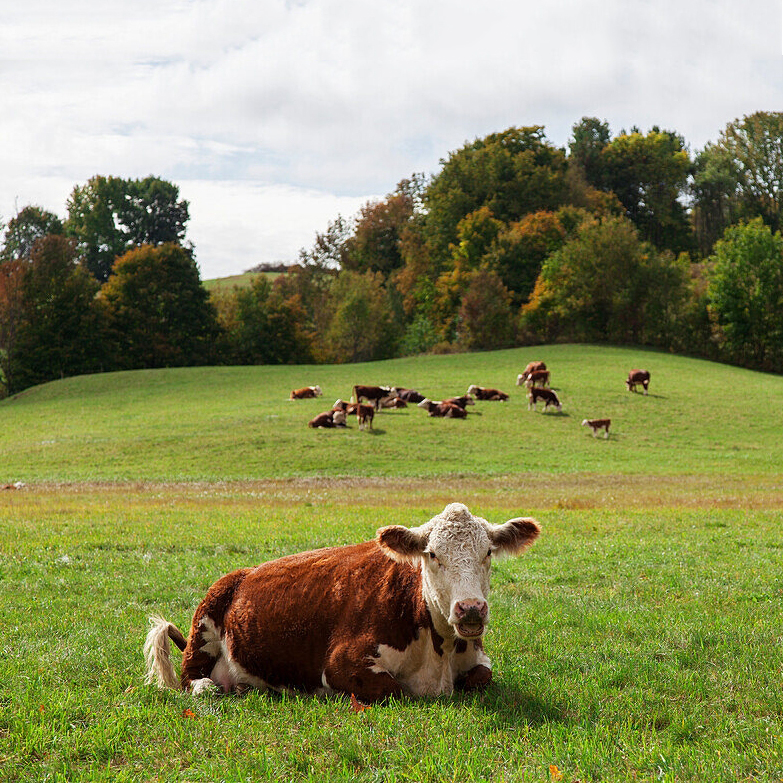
x=440, y=623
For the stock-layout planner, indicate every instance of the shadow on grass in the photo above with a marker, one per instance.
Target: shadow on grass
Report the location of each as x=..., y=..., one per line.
x=508, y=706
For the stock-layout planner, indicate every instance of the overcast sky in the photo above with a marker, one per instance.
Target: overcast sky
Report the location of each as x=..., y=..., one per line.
x=275, y=116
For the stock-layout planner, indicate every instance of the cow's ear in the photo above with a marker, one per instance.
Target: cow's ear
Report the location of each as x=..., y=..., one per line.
x=513, y=536
x=403, y=544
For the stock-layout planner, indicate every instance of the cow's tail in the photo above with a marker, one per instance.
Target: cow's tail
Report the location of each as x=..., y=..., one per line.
x=355, y=396
x=157, y=653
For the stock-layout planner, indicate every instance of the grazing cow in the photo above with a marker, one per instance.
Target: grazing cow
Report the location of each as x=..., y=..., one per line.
x=596, y=425
x=409, y=395
x=462, y=401
x=402, y=614
x=636, y=377
x=444, y=410
x=481, y=393
x=328, y=419
x=364, y=413
x=305, y=393
x=531, y=367
x=536, y=378
x=377, y=395
x=547, y=396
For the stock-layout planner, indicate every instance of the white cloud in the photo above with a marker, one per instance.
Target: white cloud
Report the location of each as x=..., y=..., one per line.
x=343, y=98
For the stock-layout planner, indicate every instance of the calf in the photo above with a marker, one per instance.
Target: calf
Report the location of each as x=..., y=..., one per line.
x=377, y=395
x=307, y=392
x=444, y=410
x=596, y=425
x=364, y=413
x=462, y=401
x=481, y=393
x=531, y=367
x=409, y=395
x=636, y=377
x=537, y=377
x=328, y=419
x=402, y=614
x=547, y=396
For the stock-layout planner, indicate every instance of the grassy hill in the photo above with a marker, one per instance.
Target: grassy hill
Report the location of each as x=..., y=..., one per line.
x=236, y=423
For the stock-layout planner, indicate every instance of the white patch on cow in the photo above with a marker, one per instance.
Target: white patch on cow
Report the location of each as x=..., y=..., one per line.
x=211, y=637
x=204, y=687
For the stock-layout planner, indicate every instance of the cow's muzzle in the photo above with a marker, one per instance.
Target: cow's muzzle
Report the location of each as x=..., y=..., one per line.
x=471, y=618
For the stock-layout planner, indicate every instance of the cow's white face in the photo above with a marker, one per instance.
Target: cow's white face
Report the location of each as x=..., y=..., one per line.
x=454, y=551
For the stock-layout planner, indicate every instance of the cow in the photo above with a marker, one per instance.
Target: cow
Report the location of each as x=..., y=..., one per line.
x=394, y=402
x=443, y=410
x=531, y=367
x=364, y=413
x=537, y=377
x=403, y=614
x=596, y=425
x=306, y=393
x=547, y=396
x=377, y=395
x=462, y=401
x=409, y=395
x=481, y=393
x=328, y=419
x=636, y=377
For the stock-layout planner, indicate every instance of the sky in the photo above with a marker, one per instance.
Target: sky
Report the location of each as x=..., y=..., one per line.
x=273, y=117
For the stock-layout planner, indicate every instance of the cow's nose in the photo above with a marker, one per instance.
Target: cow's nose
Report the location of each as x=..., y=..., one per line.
x=473, y=606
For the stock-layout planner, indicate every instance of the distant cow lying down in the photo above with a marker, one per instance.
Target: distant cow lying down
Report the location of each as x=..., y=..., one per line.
x=596, y=425
x=328, y=419
x=443, y=410
x=480, y=393
x=402, y=614
x=306, y=392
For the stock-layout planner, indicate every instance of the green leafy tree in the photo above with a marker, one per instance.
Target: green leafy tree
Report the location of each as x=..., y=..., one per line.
x=24, y=230
x=59, y=331
x=589, y=138
x=485, y=319
x=745, y=293
x=511, y=173
x=361, y=324
x=158, y=312
x=109, y=216
x=649, y=173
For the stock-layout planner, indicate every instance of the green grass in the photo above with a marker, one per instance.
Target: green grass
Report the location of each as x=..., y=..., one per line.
x=236, y=423
x=639, y=639
x=627, y=644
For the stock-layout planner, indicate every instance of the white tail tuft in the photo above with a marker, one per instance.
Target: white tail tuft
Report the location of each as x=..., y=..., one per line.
x=157, y=653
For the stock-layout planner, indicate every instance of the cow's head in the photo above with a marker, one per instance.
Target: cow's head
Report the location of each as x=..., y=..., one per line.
x=455, y=550
x=316, y=390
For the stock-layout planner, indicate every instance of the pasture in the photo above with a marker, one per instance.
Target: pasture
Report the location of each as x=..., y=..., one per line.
x=639, y=639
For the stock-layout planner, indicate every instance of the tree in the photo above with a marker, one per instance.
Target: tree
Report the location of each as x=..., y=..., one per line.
x=485, y=321
x=24, y=230
x=649, y=174
x=361, y=326
x=157, y=310
x=58, y=333
x=589, y=138
x=109, y=216
x=11, y=312
x=745, y=295
x=511, y=173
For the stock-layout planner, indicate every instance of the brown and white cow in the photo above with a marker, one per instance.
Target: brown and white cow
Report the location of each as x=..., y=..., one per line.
x=531, y=367
x=305, y=393
x=547, y=396
x=364, y=413
x=596, y=425
x=636, y=377
x=537, y=378
x=377, y=395
x=328, y=419
x=409, y=395
x=462, y=401
x=481, y=393
x=443, y=410
x=402, y=614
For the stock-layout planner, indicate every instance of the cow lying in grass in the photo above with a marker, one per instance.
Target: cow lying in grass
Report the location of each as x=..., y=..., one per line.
x=402, y=614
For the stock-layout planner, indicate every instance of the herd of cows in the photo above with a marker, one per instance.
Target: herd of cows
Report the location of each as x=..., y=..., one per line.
x=366, y=401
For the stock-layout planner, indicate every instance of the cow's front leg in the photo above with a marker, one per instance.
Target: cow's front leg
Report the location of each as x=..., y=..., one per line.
x=475, y=679
x=348, y=670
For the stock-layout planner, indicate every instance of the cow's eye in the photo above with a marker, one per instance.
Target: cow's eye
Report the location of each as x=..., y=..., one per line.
x=489, y=553
x=432, y=556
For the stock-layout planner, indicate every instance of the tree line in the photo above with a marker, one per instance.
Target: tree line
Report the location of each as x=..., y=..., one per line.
x=624, y=239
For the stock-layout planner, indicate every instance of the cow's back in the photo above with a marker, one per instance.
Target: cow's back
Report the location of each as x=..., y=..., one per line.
x=288, y=616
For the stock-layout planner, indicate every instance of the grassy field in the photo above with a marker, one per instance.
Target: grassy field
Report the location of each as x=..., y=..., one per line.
x=639, y=639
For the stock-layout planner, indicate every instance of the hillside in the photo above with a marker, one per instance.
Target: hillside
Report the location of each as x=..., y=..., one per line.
x=236, y=423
